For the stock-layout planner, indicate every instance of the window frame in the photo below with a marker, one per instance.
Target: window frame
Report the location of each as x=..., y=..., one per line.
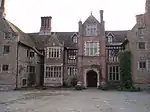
x=91, y=47
x=72, y=71
x=109, y=39
x=3, y=68
x=142, y=44
x=91, y=30
x=53, y=72
x=7, y=35
x=4, y=49
x=113, y=73
x=75, y=39
x=143, y=68
x=145, y=45
x=51, y=51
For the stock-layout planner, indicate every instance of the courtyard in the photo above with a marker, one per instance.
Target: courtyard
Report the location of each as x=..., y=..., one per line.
x=89, y=100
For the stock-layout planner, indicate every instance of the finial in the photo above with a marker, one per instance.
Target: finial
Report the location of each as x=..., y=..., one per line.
x=91, y=13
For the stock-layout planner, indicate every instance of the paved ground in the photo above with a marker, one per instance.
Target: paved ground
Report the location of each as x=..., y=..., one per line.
x=90, y=100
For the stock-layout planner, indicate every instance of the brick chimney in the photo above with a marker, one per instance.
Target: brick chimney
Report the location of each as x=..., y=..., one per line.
x=140, y=20
x=45, y=25
x=101, y=16
x=2, y=8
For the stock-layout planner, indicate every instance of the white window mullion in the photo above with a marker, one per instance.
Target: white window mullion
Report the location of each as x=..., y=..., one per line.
x=147, y=65
x=138, y=65
x=47, y=52
x=146, y=45
x=85, y=48
x=108, y=73
x=59, y=52
x=51, y=52
x=98, y=49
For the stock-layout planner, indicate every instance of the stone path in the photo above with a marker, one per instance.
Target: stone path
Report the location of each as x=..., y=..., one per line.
x=90, y=100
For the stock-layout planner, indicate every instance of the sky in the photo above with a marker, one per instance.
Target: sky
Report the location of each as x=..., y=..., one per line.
x=118, y=14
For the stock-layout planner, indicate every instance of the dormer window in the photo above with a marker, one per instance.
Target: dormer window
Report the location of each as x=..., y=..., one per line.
x=75, y=39
x=109, y=39
x=91, y=30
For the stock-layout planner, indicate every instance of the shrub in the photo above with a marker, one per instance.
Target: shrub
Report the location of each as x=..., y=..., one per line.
x=103, y=87
x=131, y=89
x=31, y=79
x=78, y=87
x=73, y=81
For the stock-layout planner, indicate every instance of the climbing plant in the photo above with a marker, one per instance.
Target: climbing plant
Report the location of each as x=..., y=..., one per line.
x=31, y=79
x=125, y=69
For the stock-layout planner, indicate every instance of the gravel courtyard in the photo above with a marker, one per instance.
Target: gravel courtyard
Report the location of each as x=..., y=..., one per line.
x=90, y=100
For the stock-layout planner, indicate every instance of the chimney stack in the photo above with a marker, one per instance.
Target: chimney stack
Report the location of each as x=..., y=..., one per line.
x=45, y=25
x=101, y=15
x=140, y=20
x=2, y=9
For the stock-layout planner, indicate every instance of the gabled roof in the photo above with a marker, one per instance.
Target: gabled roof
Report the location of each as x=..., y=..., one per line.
x=63, y=37
x=119, y=36
x=91, y=20
x=7, y=26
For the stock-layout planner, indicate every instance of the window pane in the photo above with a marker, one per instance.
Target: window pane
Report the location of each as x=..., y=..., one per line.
x=110, y=76
x=6, y=49
x=141, y=45
x=117, y=69
x=114, y=76
x=5, y=68
x=114, y=69
x=117, y=76
x=110, y=69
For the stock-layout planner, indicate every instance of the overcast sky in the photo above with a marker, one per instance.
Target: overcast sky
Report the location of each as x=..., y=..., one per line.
x=118, y=14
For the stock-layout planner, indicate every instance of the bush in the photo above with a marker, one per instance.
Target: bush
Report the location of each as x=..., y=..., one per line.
x=78, y=87
x=73, y=81
x=31, y=79
x=103, y=87
x=131, y=89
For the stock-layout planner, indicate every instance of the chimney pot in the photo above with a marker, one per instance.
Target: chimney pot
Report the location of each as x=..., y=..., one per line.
x=45, y=25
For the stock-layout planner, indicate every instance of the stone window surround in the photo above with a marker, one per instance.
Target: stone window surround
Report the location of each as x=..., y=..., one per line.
x=59, y=71
x=31, y=69
x=4, y=48
x=109, y=39
x=71, y=71
x=75, y=39
x=52, y=50
x=91, y=30
x=1, y=68
x=146, y=65
x=8, y=35
x=113, y=72
x=30, y=53
x=146, y=43
x=87, y=48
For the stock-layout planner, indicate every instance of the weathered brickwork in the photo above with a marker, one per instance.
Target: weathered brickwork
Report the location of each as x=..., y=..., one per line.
x=55, y=58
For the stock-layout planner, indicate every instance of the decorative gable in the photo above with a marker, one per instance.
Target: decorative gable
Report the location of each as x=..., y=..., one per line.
x=110, y=37
x=74, y=38
x=91, y=20
x=53, y=41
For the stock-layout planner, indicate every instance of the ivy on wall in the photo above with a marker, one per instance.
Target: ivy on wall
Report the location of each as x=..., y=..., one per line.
x=125, y=69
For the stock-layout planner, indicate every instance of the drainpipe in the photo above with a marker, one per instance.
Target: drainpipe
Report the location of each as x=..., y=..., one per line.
x=17, y=66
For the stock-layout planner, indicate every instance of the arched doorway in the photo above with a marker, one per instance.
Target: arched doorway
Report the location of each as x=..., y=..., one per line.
x=91, y=78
